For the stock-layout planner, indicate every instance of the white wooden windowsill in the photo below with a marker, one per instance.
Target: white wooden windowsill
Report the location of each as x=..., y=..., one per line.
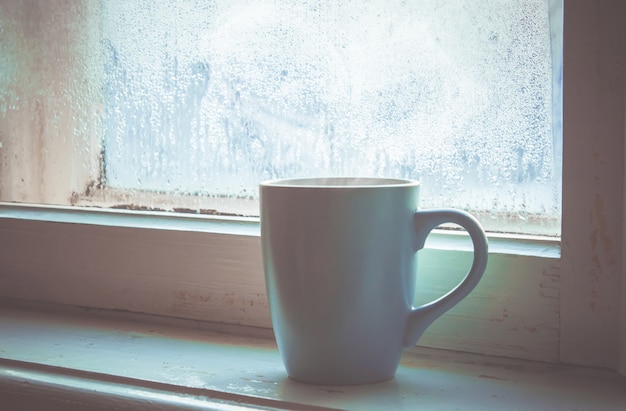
x=210, y=269
x=74, y=360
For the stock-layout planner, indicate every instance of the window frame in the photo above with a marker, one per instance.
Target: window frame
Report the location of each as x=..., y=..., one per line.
x=134, y=261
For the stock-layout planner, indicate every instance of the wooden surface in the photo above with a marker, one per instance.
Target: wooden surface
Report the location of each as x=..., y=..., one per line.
x=218, y=277
x=593, y=208
x=78, y=360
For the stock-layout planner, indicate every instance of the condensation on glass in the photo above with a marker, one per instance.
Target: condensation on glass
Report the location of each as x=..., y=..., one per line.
x=50, y=100
x=210, y=98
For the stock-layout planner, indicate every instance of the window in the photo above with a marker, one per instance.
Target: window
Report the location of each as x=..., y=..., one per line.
x=538, y=300
x=204, y=101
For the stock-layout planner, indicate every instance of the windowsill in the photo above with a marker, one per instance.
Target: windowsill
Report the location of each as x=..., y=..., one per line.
x=210, y=269
x=514, y=244
x=77, y=357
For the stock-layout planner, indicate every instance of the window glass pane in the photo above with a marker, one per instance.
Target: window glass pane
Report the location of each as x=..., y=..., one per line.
x=210, y=98
x=50, y=99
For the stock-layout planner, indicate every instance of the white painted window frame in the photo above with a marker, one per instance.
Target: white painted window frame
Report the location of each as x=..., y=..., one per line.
x=531, y=304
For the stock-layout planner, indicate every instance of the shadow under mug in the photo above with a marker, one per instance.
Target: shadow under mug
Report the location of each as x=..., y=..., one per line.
x=340, y=262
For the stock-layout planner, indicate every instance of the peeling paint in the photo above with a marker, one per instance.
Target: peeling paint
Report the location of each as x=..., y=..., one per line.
x=599, y=237
x=505, y=315
x=602, y=254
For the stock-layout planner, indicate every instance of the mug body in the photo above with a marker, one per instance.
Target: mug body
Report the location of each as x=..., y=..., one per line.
x=340, y=261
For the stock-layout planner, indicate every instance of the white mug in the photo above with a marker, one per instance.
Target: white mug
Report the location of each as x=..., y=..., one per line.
x=340, y=260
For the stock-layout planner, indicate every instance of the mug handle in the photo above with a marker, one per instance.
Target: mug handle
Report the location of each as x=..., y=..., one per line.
x=425, y=221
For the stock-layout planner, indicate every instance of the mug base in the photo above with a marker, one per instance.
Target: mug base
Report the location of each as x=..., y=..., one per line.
x=342, y=381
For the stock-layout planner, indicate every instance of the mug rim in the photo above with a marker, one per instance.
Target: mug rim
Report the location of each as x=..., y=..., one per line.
x=340, y=182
